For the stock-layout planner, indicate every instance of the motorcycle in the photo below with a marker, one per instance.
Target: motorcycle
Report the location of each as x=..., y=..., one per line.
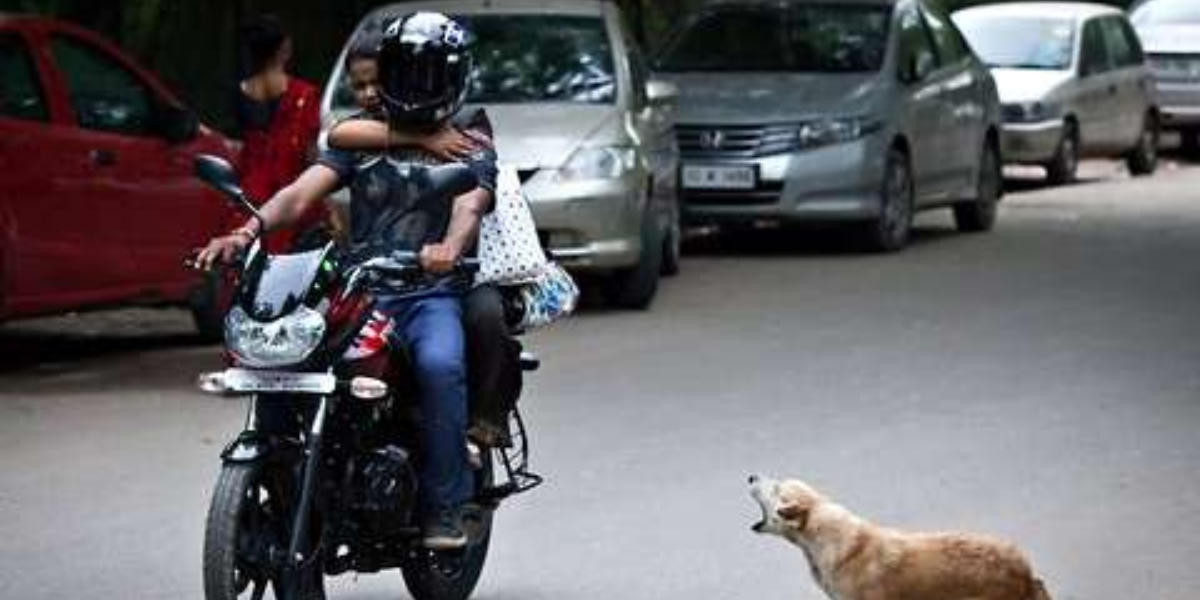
x=339, y=493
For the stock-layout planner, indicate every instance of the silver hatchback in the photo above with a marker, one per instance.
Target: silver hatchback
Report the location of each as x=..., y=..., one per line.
x=855, y=111
x=1073, y=82
x=573, y=109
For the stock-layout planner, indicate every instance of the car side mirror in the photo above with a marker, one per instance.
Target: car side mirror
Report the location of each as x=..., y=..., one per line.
x=915, y=68
x=1087, y=68
x=177, y=125
x=659, y=92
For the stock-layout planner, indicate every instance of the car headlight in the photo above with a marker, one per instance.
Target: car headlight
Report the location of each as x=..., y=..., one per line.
x=826, y=132
x=282, y=342
x=1030, y=112
x=598, y=162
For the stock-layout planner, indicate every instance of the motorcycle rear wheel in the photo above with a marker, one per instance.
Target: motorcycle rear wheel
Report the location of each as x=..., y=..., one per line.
x=246, y=513
x=453, y=575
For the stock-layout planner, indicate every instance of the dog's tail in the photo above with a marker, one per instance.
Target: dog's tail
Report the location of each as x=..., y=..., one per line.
x=1039, y=591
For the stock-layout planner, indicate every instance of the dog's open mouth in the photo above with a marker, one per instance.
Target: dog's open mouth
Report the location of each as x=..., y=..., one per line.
x=761, y=525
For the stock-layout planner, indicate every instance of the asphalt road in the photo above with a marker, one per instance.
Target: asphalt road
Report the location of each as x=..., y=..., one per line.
x=1040, y=383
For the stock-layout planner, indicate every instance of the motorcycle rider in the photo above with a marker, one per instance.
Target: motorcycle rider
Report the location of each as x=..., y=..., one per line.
x=424, y=66
x=493, y=370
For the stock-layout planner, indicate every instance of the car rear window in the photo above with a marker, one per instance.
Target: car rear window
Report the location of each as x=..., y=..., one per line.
x=1020, y=42
x=21, y=94
x=804, y=37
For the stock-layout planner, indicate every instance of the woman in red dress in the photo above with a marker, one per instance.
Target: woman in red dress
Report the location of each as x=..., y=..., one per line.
x=278, y=118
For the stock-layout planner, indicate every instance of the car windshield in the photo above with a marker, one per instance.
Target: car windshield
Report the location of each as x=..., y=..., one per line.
x=529, y=58
x=541, y=58
x=826, y=38
x=1021, y=42
x=1168, y=12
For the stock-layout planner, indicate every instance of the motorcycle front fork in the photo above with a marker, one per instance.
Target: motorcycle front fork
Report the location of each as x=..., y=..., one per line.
x=295, y=564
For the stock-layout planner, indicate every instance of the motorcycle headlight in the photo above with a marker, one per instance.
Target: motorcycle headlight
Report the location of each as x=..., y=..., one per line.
x=282, y=342
x=827, y=132
x=602, y=162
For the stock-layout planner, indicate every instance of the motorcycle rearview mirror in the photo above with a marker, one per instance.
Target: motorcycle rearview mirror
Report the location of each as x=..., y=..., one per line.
x=217, y=172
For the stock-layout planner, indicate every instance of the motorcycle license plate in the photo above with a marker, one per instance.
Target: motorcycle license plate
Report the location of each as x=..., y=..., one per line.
x=268, y=382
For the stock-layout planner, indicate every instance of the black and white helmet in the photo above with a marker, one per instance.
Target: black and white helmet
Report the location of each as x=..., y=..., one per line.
x=424, y=68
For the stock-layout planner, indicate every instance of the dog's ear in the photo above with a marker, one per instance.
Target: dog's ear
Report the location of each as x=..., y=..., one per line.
x=794, y=514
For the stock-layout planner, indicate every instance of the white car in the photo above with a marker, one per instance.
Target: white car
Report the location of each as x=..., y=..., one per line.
x=1073, y=82
x=1170, y=32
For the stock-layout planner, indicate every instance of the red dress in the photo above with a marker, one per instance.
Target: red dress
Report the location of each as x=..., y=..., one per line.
x=274, y=157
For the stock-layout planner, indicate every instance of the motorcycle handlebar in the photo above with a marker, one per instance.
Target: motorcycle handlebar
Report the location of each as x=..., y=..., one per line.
x=409, y=263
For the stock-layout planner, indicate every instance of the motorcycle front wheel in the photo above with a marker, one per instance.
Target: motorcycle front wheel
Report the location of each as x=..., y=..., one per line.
x=246, y=535
x=453, y=574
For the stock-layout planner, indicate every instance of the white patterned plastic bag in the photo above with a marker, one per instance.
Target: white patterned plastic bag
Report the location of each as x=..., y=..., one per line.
x=550, y=296
x=509, y=249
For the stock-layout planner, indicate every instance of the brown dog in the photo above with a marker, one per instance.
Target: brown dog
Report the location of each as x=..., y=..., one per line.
x=853, y=559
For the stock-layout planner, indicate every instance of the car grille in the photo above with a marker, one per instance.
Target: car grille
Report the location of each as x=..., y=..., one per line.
x=1175, y=67
x=767, y=192
x=1012, y=112
x=734, y=141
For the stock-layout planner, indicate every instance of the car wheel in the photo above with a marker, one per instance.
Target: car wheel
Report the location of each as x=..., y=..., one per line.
x=1143, y=160
x=980, y=214
x=205, y=305
x=1063, y=167
x=672, y=255
x=636, y=287
x=890, y=231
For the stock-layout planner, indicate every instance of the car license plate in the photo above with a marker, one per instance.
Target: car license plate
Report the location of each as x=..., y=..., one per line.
x=248, y=381
x=714, y=177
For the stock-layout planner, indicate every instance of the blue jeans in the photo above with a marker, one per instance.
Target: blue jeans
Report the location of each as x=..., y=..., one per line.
x=430, y=328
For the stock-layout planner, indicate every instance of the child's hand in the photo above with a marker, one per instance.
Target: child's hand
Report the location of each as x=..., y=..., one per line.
x=450, y=144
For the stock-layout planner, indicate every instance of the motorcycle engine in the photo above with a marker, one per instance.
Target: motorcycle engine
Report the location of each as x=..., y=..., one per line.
x=386, y=490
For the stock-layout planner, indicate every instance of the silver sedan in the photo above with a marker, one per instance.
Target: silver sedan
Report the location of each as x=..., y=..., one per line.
x=863, y=111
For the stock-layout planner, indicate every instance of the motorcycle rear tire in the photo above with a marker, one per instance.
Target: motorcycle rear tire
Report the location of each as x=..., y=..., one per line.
x=425, y=572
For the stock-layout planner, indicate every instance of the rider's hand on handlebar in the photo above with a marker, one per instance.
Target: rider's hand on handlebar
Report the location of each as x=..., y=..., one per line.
x=439, y=258
x=221, y=251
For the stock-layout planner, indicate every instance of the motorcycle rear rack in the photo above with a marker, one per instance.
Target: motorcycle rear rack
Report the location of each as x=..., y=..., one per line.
x=516, y=477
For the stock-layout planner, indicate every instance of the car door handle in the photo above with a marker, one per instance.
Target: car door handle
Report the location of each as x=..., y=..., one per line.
x=103, y=158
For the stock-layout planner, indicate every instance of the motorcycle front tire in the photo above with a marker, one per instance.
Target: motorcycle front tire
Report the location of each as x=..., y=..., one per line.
x=224, y=577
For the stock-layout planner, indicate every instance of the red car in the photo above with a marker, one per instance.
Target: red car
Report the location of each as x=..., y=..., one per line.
x=98, y=202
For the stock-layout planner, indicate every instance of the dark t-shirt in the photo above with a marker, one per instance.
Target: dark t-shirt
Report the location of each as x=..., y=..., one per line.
x=391, y=205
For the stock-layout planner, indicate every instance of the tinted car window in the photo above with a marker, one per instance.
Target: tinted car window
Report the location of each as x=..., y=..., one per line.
x=535, y=58
x=1123, y=48
x=949, y=45
x=639, y=71
x=21, y=94
x=1094, y=56
x=916, y=47
x=104, y=94
x=1021, y=42
x=808, y=38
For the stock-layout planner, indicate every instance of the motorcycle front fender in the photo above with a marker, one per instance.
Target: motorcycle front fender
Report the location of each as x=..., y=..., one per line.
x=256, y=447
